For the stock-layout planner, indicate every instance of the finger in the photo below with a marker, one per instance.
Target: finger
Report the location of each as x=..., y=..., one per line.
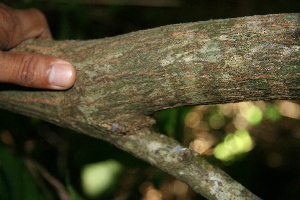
x=36, y=70
x=18, y=25
x=33, y=24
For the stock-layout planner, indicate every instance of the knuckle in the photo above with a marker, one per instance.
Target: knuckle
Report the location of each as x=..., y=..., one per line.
x=5, y=14
x=7, y=25
x=28, y=70
x=11, y=28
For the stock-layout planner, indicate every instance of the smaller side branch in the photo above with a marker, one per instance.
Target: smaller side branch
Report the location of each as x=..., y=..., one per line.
x=184, y=164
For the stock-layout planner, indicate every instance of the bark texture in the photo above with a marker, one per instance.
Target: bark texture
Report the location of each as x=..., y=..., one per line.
x=123, y=80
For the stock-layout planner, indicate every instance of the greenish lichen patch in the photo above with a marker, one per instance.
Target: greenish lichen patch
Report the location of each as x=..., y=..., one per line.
x=291, y=18
x=199, y=159
x=198, y=67
x=215, y=26
x=167, y=60
x=154, y=146
x=220, y=187
x=236, y=61
x=255, y=25
x=129, y=145
x=211, y=51
x=296, y=36
x=290, y=66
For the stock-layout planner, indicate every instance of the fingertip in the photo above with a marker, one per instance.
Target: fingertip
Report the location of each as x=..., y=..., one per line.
x=62, y=75
x=36, y=71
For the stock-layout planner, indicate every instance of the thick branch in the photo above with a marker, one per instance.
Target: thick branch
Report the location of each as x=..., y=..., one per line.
x=124, y=79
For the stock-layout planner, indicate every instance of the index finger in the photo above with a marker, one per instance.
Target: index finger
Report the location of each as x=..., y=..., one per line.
x=19, y=25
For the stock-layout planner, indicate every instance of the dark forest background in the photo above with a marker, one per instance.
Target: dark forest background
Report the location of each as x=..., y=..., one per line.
x=257, y=143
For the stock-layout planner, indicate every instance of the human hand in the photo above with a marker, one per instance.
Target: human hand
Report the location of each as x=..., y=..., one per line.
x=30, y=69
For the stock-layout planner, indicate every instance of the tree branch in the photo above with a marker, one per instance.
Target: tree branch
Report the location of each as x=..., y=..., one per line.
x=123, y=80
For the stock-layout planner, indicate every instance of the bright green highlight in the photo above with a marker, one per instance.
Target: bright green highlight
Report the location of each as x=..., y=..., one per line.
x=216, y=121
x=272, y=112
x=234, y=145
x=99, y=177
x=254, y=115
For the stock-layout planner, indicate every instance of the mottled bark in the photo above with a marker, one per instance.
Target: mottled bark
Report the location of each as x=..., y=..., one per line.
x=123, y=80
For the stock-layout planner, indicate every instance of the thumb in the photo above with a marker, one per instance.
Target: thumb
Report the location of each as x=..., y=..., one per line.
x=36, y=70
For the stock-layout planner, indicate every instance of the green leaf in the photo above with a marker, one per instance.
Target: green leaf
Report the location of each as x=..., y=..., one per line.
x=72, y=192
x=16, y=181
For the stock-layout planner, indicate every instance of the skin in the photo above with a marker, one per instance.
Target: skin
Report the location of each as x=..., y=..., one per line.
x=30, y=69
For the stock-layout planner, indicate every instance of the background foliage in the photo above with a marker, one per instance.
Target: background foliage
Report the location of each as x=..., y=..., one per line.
x=257, y=143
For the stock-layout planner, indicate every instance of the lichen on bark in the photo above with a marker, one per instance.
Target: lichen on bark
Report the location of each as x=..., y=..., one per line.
x=123, y=80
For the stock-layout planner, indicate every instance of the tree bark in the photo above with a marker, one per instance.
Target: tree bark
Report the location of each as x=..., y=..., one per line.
x=123, y=80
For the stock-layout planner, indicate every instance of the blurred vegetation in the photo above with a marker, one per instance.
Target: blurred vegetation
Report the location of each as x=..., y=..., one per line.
x=257, y=143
